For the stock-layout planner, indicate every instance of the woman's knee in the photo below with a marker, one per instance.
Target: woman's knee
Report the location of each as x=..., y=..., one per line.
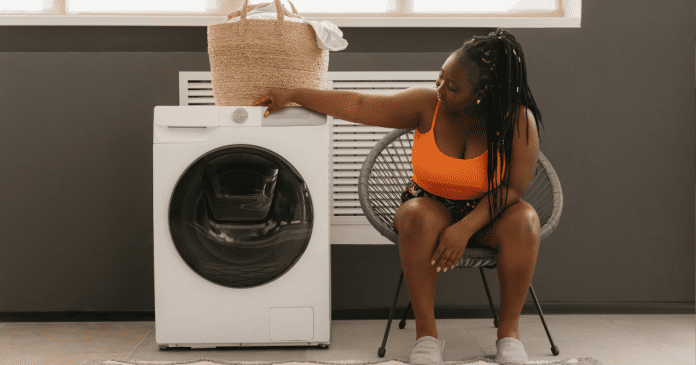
x=521, y=220
x=422, y=215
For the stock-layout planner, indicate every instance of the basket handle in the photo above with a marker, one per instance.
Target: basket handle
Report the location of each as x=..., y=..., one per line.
x=280, y=9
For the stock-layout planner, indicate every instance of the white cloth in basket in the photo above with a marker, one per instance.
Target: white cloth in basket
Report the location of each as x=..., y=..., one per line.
x=328, y=35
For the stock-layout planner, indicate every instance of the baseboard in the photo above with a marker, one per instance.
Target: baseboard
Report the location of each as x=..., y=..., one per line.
x=449, y=312
x=484, y=311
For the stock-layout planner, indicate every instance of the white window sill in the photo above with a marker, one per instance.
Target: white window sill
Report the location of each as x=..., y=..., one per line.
x=568, y=21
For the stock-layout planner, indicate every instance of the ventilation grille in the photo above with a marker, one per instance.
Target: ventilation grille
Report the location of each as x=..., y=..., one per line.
x=351, y=142
x=195, y=88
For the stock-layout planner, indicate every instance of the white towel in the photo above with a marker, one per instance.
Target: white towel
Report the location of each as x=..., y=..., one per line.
x=328, y=35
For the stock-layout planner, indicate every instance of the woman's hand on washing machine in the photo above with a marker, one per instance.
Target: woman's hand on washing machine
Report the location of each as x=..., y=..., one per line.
x=275, y=99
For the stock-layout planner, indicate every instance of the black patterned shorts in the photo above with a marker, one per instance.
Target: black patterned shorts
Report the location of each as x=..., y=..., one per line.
x=458, y=209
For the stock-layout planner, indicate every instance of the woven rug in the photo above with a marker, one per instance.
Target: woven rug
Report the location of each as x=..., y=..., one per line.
x=481, y=360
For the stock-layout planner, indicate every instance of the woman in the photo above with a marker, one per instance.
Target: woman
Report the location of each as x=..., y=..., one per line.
x=482, y=103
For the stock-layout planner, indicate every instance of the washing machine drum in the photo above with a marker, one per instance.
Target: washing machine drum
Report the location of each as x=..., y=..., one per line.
x=241, y=216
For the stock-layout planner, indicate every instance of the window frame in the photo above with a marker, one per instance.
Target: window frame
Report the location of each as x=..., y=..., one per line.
x=568, y=16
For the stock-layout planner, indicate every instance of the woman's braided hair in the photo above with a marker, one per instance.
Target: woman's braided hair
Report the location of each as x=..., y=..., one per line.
x=498, y=69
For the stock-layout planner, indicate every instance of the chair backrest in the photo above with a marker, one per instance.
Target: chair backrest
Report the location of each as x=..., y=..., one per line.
x=387, y=170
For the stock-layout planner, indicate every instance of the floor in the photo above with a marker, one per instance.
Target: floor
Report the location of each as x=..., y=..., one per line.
x=614, y=339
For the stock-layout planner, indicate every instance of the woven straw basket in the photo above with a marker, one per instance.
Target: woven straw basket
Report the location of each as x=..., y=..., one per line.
x=251, y=56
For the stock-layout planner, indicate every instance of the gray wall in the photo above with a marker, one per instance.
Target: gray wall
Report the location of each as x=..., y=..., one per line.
x=617, y=100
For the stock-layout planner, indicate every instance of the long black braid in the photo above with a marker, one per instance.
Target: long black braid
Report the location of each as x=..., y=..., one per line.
x=499, y=69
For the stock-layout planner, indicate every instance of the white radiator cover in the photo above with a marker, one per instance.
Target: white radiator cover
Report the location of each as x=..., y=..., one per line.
x=350, y=143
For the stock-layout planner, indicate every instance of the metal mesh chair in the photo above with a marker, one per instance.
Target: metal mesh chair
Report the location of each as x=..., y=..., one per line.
x=384, y=175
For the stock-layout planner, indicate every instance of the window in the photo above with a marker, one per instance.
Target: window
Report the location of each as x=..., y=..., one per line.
x=353, y=13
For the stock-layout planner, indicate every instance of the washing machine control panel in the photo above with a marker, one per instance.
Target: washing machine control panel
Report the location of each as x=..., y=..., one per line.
x=197, y=123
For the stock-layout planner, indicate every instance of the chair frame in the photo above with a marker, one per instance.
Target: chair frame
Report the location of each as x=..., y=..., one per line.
x=381, y=215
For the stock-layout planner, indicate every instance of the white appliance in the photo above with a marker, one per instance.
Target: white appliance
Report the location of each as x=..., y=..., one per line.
x=241, y=227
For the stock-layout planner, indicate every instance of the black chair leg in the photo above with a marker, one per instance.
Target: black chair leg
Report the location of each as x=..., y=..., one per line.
x=382, y=350
x=402, y=323
x=490, y=301
x=554, y=348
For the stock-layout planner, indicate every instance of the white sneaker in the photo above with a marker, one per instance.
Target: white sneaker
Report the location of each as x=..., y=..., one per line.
x=427, y=351
x=510, y=351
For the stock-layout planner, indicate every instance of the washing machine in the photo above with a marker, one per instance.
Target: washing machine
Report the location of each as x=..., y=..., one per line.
x=241, y=227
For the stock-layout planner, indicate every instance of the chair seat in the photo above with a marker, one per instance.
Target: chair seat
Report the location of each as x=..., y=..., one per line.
x=478, y=257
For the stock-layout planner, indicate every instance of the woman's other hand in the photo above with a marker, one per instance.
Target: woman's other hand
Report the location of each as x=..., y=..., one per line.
x=451, y=245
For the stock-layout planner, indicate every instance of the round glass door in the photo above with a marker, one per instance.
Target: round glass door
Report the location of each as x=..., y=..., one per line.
x=241, y=216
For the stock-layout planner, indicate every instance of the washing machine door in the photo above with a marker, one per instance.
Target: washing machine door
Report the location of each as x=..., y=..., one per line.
x=241, y=216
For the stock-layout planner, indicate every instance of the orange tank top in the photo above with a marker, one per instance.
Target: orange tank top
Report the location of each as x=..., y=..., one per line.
x=448, y=177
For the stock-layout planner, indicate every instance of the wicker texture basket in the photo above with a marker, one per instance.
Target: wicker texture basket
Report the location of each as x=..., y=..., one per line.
x=251, y=56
